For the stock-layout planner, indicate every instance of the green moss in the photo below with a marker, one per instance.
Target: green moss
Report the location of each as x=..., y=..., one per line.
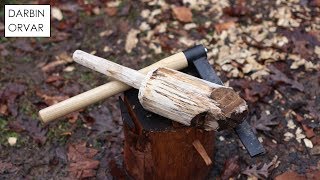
x=58, y=132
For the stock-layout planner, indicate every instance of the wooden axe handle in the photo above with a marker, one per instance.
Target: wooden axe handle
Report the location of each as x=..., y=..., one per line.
x=177, y=61
x=129, y=76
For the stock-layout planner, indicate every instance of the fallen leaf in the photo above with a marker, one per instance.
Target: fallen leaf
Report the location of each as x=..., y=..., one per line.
x=253, y=90
x=301, y=42
x=50, y=100
x=8, y=98
x=55, y=80
x=61, y=59
x=315, y=3
x=279, y=76
x=263, y=123
x=224, y=26
x=290, y=175
x=7, y=167
x=131, y=40
x=260, y=172
x=183, y=14
x=81, y=162
x=73, y=117
x=56, y=13
x=231, y=168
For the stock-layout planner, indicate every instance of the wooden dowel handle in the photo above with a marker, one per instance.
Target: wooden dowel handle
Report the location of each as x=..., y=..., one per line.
x=177, y=61
x=121, y=73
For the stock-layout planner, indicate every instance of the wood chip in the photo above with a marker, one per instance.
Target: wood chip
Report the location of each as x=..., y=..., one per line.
x=183, y=14
x=12, y=141
x=197, y=144
x=308, y=143
x=56, y=13
x=131, y=40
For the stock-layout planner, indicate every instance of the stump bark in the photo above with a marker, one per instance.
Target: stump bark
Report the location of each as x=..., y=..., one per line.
x=158, y=148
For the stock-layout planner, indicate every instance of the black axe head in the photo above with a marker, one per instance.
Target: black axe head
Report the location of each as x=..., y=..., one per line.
x=198, y=60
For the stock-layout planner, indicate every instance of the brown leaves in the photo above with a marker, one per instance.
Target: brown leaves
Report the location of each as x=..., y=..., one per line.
x=224, y=26
x=183, y=14
x=81, y=162
x=263, y=123
x=50, y=100
x=290, y=175
x=259, y=171
x=8, y=96
x=253, y=90
x=302, y=42
x=279, y=76
x=312, y=174
x=7, y=167
x=231, y=168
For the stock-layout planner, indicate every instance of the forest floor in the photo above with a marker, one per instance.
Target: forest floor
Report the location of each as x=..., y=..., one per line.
x=269, y=51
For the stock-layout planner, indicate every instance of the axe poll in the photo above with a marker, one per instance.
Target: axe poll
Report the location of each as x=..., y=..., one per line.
x=177, y=61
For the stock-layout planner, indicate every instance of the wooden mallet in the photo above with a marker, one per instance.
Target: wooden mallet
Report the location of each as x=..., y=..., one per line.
x=176, y=95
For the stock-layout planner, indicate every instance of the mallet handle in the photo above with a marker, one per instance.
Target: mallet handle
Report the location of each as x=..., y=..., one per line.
x=177, y=61
x=129, y=76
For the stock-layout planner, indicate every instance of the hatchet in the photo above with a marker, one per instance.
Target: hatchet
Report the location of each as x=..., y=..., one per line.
x=195, y=56
x=176, y=95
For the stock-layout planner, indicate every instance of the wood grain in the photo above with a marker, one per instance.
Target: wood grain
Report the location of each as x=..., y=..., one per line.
x=182, y=97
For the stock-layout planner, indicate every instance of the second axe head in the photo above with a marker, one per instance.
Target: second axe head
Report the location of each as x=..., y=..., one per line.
x=176, y=95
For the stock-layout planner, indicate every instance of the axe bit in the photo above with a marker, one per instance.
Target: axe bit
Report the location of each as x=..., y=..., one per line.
x=243, y=130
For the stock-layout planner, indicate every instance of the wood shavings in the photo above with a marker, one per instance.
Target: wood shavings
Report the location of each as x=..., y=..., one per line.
x=299, y=135
x=56, y=13
x=144, y=26
x=12, y=141
x=186, y=41
x=145, y=13
x=252, y=65
x=288, y=136
x=161, y=28
x=291, y=124
x=308, y=143
x=131, y=40
x=189, y=26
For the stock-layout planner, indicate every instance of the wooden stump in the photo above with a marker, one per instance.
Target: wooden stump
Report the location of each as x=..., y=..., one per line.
x=158, y=148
